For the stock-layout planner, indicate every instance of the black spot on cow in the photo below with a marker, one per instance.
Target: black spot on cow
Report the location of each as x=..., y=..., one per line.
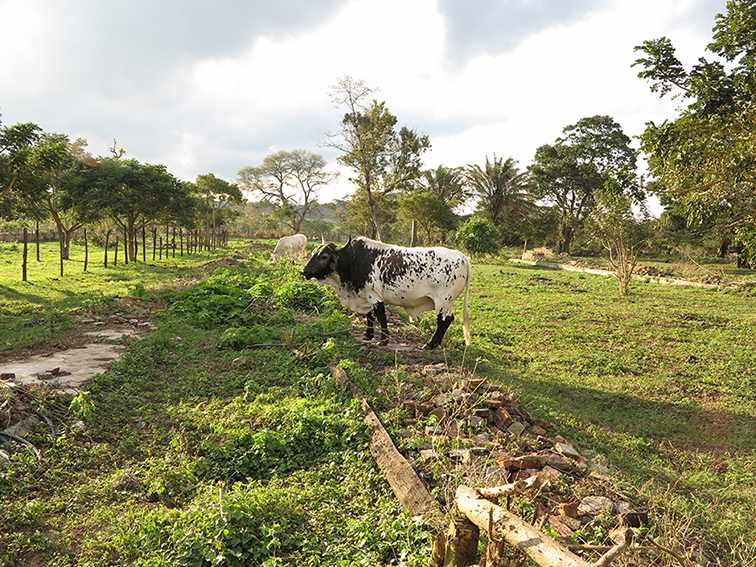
x=354, y=264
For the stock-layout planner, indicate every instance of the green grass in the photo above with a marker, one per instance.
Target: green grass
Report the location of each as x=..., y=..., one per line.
x=202, y=449
x=199, y=445
x=662, y=382
x=43, y=311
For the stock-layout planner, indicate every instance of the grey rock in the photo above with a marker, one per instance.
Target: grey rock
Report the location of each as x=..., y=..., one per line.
x=427, y=455
x=516, y=428
x=566, y=449
x=434, y=430
x=475, y=421
x=482, y=438
x=595, y=505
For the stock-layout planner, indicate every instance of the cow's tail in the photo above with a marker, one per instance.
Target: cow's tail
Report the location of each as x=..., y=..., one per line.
x=465, y=315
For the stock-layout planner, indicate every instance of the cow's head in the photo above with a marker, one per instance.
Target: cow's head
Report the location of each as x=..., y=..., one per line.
x=322, y=263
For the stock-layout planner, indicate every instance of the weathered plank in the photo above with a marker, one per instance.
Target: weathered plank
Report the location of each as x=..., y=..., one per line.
x=408, y=488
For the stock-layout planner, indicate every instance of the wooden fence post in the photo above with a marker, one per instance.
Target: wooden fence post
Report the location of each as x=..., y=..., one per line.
x=154, y=241
x=61, y=257
x=36, y=238
x=115, y=256
x=181, y=241
x=144, y=244
x=107, y=238
x=86, y=251
x=173, y=242
x=160, y=248
x=136, y=246
x=24, y=257
x=125, y=246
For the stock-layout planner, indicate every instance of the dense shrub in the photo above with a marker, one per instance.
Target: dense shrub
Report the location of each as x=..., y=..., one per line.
x=478, y=235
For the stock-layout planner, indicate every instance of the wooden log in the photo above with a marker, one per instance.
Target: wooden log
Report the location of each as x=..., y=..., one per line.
x=461, y=543
x=617, y=550
x=507, y=526
x=408, y=488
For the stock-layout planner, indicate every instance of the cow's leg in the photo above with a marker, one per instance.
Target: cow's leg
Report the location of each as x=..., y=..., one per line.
x=380, y=314
x=442, y=323
x=369, y=330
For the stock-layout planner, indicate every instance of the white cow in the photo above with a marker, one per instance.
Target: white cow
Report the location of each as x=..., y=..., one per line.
x=367, y=274
x=290, y=246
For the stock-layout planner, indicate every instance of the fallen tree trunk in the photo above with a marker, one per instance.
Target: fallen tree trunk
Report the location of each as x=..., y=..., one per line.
x=504, y=527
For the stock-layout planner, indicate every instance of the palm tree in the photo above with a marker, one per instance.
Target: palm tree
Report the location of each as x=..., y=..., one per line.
x=501, y=189
x=447, y=183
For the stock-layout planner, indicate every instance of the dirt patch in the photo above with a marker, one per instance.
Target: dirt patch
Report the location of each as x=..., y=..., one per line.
x=67, y=370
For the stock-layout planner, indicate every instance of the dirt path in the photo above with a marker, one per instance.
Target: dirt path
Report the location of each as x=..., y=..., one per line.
x=599, y=272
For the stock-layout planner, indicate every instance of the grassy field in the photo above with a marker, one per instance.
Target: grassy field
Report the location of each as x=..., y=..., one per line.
x=200, y=449
x=42, y=312
x=199, y=445
x=664, y=383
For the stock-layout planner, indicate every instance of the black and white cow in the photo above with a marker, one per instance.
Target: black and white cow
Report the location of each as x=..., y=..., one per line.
x=367, y=275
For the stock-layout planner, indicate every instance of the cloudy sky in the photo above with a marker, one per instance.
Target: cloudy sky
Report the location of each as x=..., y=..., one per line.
x=214, y=86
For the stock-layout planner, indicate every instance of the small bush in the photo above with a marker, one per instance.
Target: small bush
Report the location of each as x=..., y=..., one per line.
x=302, y=295
x=478, y=236
x=242, y=337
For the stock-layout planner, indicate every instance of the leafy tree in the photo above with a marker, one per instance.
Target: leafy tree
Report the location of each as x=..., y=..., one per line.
x=290, y=181
x=478, y=235
x=706, y=158
x=18, y=182
x=429, y=211
x=61, y=188
x=218, y=197
x=569, y=173
x=501, y=190
x=133, y=194
x=384, y=159
x=447, y=183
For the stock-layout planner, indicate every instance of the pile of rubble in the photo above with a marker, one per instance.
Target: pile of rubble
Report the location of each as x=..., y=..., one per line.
x=472, y=432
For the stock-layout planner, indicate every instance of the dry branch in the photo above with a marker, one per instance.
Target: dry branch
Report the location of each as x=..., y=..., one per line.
x=512, y=488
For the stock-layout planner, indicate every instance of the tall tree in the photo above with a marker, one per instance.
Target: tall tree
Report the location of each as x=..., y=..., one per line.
x=705, y=159
x=290, y=181
x=383, y=158
x=501, y=189
x=569, y=173
x=134, y=194
x=447, y=183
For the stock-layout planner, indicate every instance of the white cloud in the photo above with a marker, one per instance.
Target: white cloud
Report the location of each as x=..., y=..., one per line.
x=210, y=109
